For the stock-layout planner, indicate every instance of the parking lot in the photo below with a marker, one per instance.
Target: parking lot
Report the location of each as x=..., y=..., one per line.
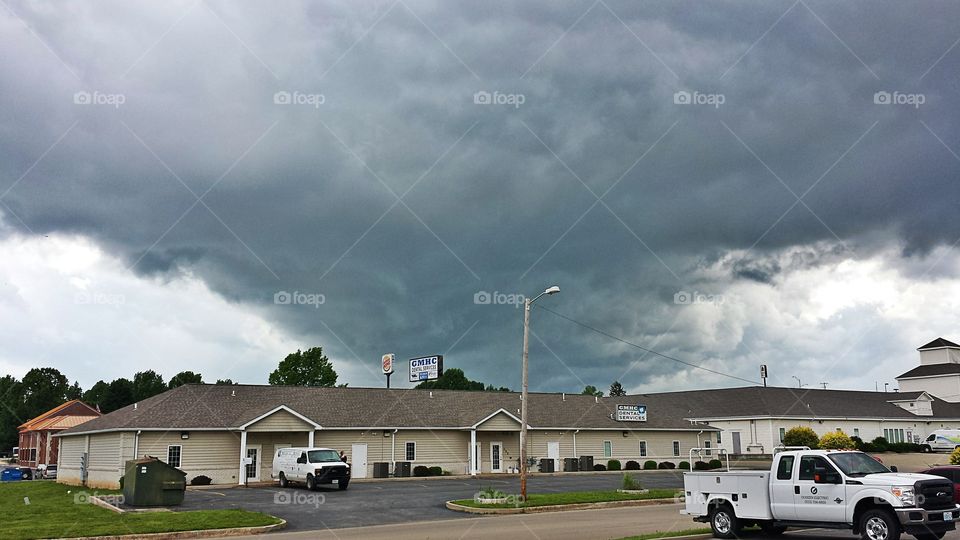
x=389, y=501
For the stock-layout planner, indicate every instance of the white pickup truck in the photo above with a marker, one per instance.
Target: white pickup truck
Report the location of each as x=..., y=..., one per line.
x=826, y=489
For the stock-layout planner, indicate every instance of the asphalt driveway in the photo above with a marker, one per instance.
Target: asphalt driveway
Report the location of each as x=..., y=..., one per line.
x=384, y=502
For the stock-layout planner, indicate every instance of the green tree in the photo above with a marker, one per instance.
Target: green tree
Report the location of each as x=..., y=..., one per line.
x=616, y=389
x=43, y=389
x=452, y=379
x=147, y=384
x=119, y=394
x=74, y=392
x=836, y=440
x=591, y=390
x=225, y=382
x=801, y=436
x=11, y=395
x=305, y=368
x=95, y=395
x=185, y=377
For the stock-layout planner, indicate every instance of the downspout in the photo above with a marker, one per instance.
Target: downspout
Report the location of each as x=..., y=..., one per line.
x=136, y=444
x=575, y=444
x=393, y=451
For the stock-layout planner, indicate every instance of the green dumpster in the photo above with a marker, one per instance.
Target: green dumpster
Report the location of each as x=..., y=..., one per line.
x=151, y=482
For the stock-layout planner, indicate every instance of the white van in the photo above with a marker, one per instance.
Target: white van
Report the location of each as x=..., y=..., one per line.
x=312, y=466
x=942, y=440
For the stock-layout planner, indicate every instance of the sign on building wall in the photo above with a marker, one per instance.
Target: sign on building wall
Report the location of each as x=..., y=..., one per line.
x=426, y=368
x=631, y=413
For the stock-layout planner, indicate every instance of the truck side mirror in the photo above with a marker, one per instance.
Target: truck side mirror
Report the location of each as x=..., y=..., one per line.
x=893, y=468
x=827, y=478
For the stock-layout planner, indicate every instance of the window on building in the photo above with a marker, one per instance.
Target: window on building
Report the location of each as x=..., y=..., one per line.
x=783, y=433
x=856, y=432
x=33, y=454
x=174, y=451
x=607, y=448
x=718, y=438
x=410, y=451
x=785, y=468
x=676, y=448
x=838, y=430
x=706, y=444
x=643, y=448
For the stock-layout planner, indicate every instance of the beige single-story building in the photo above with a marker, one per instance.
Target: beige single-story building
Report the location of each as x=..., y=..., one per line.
x=210, y=430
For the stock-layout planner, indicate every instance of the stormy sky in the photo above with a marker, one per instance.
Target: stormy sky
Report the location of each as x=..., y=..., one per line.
x=211, y=185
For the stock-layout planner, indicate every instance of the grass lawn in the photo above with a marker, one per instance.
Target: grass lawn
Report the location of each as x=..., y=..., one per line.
x=44, y=509
x=575, y=497
x=669, y=534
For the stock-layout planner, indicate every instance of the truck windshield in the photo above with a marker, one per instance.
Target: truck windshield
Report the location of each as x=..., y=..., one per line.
x=855, y=464
x=323, y=456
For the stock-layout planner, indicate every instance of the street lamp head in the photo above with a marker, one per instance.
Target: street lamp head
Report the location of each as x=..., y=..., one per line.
x=552, y=290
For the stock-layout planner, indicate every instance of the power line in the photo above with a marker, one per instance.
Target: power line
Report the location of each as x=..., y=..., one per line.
x=651, y=351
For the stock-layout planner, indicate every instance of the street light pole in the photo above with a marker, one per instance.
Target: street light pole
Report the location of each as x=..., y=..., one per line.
x=523, y=392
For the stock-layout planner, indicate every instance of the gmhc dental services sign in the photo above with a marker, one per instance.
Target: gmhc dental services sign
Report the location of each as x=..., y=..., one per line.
x=631, y=413
x=426, y=368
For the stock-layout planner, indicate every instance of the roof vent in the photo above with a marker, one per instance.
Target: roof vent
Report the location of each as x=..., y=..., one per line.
x=563, y=396
x=134, y=406
x=233, y=393
x=596, y=399
x=431, y=394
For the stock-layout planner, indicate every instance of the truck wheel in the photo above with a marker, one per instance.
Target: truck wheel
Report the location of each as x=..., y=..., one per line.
x=283, y=481
x=724, y=522
x=878, y=524
x=926, y=449
x=770, y=529
x=312, y=484
x=343, y=484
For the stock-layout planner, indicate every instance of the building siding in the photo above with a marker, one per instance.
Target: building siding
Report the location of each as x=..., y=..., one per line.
x=280, y=421
x=211, y=453
x=499, y=422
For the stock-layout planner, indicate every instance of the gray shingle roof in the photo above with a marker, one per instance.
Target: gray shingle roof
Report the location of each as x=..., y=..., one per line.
x=226, y=407
x=931, y=369
x=939, y=343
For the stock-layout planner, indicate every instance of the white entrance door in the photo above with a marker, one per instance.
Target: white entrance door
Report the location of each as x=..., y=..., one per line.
x=253, y=467
x=736, y=443
x=553, y=452
x=358, y=461
x=496, y=461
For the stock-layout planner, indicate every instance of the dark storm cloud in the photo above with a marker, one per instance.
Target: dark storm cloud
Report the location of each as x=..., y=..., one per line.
x=494, y=197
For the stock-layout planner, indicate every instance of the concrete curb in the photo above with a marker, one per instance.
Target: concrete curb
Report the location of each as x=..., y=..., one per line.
x=556, y=507
x=209, y=533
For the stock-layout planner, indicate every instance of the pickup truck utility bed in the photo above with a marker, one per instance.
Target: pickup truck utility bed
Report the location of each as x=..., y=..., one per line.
x=823, y=488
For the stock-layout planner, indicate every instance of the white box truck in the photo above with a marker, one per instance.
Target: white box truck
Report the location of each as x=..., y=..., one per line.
x=827, y=489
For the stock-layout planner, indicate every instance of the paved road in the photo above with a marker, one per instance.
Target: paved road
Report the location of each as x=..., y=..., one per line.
x=378, y=503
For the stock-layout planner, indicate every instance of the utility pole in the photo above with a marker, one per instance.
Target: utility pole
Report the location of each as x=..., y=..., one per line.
x=824, y=385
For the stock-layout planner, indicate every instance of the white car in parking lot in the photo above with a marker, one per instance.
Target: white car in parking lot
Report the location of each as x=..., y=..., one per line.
x=311, y=466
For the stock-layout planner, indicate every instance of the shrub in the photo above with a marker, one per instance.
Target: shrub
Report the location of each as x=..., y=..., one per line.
x=436, y=471
x=421, y=470
x=632, y=466
x=857, y=443
x=613, y=465
x=685, y=465
x=649, y=464
x=630, y=482
x=715, y=464
x=666, y=465
x=905, y=447
x=836, y=440
x=121, y=482
x=599, y=467
x=955, y=457
x=200, y=480
x=801, y=436
x=701, y=466
x=880, y=444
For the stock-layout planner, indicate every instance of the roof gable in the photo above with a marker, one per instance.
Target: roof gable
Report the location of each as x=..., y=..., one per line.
x=939, y=343
x=497, y=421
x=74, y=407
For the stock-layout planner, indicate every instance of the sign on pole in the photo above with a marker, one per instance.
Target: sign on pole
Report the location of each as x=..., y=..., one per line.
x=426, y=368
x=631, y=413
x=387, y=362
